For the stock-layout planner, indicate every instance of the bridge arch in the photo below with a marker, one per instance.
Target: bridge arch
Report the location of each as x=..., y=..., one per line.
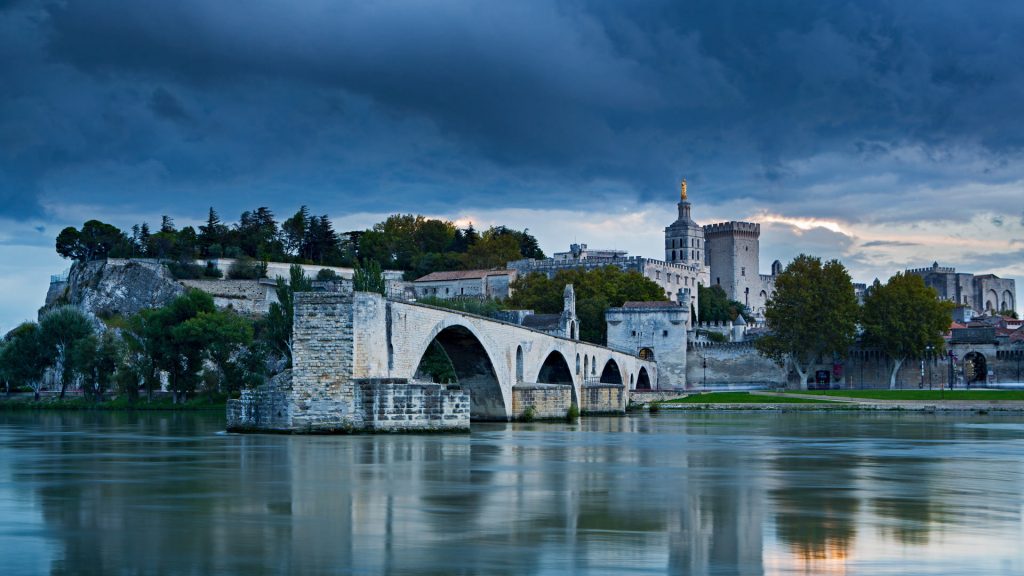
x=474, y=369
x=555, y=370
x=643, y=381
x=611, y=373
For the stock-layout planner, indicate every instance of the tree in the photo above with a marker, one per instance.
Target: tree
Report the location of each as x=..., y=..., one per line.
x=280, y=319
x=294, y=232
x=211, y=234
x=813, y=314
x=60, y=330
x=23, y=358
x=222, y=336
x=93, y=242
x=904, y=317
x=493, y=250
x=95, y=361
x=715, y=305
x=369, y=278
x=596, y=291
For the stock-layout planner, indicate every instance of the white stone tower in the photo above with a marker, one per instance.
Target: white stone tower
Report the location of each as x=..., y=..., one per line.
x=732, y=256
x=568, y=321
x=684, y=239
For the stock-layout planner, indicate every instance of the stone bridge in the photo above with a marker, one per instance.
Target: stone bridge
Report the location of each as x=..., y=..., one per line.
x=356, y=364
x=491, y=358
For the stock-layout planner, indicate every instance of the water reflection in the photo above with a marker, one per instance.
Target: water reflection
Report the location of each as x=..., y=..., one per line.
x=718, y=493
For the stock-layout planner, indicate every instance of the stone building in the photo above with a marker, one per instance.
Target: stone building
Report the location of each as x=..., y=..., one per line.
x=495, y=284
x=982, y=293
x=653, y=331
x=671, y=276
x=733, y=253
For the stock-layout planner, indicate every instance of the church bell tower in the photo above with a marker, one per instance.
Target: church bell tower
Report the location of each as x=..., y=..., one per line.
x=684, y=239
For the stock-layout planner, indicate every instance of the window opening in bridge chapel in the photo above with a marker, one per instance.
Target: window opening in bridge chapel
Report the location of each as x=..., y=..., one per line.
x=593, y=365
x=646, y=354
x=577, y=364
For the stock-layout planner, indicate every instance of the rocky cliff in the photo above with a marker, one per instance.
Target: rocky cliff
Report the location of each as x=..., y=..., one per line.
x=108, y=287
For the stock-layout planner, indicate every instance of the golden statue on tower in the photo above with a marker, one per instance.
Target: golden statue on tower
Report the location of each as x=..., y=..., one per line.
x=682, y=190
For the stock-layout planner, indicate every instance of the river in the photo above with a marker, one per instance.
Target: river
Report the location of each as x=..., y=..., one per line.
x=679, y=493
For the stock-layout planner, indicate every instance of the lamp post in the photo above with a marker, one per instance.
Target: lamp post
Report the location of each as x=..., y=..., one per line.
x=704, y=361
x=927, y=352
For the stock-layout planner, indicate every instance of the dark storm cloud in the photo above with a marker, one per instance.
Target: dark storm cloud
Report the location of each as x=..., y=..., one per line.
x=398, y=104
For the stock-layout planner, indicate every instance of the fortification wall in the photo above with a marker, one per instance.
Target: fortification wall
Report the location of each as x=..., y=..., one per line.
x=731, y=364
x=245, y=296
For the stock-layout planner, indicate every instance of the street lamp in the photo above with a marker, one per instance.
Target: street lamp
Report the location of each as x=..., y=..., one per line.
x=704, y=361
x=927, y=352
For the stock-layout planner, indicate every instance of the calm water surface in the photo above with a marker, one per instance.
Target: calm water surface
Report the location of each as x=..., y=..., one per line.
x=720, y=493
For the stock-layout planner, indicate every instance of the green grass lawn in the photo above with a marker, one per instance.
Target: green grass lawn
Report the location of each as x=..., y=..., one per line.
x=741, y=398
x=921, y=394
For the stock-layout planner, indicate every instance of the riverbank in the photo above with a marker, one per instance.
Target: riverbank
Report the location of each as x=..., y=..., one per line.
x=76, y=403
x=978, y=401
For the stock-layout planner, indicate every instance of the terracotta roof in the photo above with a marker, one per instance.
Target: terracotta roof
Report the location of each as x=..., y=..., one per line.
x=657, y=304
x=462, y=275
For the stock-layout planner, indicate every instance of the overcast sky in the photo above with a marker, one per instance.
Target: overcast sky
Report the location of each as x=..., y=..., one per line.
x=886, y=134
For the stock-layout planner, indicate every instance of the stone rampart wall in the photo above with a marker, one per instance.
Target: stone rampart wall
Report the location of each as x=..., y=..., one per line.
x=731, y=365
x=245, y=296
x=603, y=399
x=549, y=401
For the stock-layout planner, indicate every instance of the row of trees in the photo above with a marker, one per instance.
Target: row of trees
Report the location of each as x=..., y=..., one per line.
x=814, y=314
x=415, y=244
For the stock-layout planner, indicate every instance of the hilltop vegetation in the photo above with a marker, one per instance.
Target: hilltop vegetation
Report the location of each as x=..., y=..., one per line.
x=414, y=244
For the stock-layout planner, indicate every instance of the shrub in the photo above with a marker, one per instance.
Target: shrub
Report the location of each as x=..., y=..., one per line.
x=528, y=415
x=185, y=270
x=247, y=269
x=654, y=407
x=327, y=275
x=212, y=271
x=572, y=414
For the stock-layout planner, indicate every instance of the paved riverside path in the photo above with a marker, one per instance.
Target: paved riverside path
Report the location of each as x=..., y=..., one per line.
x=923, y=405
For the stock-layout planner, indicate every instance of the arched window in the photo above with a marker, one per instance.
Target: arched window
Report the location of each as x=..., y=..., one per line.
x=577, y=364
x=646, y=354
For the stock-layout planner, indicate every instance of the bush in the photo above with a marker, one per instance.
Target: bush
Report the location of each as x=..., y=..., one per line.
x=327, y=275
x=247, y=269
x=212, y=271
x=654, y=407
x=528, y=415
x=185, y=270
x=572, y=414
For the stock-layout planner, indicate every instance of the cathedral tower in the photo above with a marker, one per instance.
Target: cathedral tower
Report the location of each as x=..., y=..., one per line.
x=684, y=239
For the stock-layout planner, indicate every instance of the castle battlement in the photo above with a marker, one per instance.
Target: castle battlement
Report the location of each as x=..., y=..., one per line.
x=732, y=228
x=932, y=270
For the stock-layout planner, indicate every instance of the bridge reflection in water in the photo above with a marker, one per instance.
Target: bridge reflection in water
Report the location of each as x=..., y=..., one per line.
x=717, y=493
